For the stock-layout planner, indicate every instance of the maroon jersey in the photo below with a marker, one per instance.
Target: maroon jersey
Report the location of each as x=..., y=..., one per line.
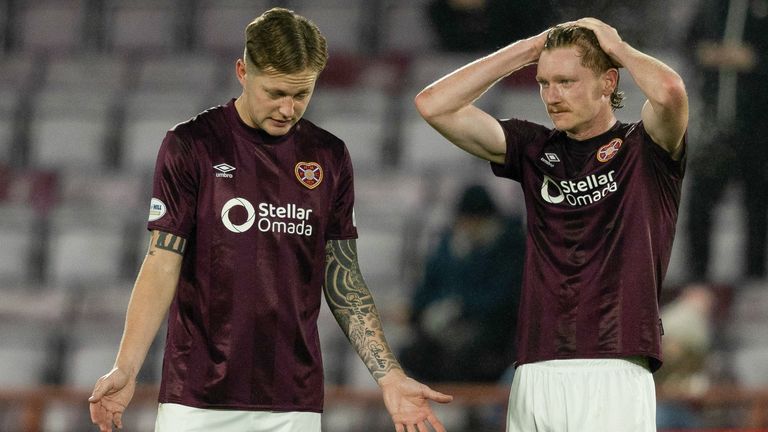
x=256, y=211
x=601, y=217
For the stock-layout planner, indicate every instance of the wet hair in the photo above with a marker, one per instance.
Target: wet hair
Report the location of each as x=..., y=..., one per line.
x=286, y=42
x=592, y=56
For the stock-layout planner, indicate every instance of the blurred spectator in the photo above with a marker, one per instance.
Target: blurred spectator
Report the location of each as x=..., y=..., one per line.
x=686, y=345
x=465, y=309
x=732, y=56
x=486, y=25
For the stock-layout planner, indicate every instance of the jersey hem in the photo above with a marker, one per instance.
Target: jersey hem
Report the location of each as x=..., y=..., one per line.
x=243, y=407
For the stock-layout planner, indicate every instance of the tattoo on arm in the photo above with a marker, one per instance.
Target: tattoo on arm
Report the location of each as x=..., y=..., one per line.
x=170, y=242
x=352, y=305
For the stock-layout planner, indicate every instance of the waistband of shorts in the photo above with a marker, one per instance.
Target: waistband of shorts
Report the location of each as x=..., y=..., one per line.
x=630, y=362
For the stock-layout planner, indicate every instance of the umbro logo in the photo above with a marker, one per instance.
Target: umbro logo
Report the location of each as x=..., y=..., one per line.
x=550, y=159
x=224, y=170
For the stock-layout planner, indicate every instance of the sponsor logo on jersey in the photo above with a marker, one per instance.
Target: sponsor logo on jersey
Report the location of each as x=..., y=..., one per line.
x=550, y=159
x=310, y=174
x=268, y=217
x=608, y=151
x=224, y=170
x=581, y=192
x=157, y=209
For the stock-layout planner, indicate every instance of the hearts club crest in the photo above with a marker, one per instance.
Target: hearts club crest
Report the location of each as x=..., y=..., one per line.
x=608, y=151
x=310, y=174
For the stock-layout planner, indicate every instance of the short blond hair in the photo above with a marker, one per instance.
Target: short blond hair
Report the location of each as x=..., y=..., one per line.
x=286, y=42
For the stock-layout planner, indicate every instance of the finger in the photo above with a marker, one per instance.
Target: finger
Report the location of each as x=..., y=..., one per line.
x=436, y=395
x=399, y=427
x=97, y=393
x=411, y=428
x=118, y=420
x=437, y=425
x=98, y=415
x=102, y=387
x=108, y=422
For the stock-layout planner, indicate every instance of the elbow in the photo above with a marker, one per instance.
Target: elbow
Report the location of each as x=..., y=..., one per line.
x=674, y=94
x=425, y=104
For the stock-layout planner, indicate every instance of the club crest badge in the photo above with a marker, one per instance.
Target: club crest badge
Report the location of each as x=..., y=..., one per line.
x=310, y=174
x=608, y=151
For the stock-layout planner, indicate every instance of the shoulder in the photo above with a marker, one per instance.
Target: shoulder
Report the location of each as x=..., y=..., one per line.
x=307, y=129
x=311, y=134
x=201, y=123
x=526, y=132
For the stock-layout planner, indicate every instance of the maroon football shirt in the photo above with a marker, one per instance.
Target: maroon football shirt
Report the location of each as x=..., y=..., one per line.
x=601, y=217
x=257, y=211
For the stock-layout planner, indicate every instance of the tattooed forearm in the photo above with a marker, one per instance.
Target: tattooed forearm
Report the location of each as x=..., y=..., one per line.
x=352, y=304
x=170, y=242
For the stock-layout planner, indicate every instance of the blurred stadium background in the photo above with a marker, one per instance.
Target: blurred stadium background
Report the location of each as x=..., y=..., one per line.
x=87, y=90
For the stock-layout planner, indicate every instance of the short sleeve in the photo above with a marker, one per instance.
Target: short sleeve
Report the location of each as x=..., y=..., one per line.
x=662, y=162
x=341, y=225
x=174, y=188
x=518, y=134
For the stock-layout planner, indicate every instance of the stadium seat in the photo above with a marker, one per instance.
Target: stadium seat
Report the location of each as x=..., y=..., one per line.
x=30, y=324
x=102, y=72
x=49, y=25
x=329, y=14
x=148, y=116
x=145, y=25
x=70, y=128
x=406, y=29
x=425, y=150
x=220, y=24
x=19, y=228
x=86, y=244
x=191, y=72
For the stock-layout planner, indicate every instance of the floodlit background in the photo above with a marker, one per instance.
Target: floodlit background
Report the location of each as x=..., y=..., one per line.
x=88, y=89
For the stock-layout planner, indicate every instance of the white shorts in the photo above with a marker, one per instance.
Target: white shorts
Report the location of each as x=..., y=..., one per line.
x=596, y=395
x=180, y=418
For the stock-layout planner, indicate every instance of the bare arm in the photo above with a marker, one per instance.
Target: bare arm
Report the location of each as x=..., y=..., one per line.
x=665, y=113
x=447, y=104
x=151, y=297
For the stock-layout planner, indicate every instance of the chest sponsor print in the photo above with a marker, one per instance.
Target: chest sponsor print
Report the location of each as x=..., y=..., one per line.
x=580, y=192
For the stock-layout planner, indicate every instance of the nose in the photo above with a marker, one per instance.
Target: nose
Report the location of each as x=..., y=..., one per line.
x=550, y=95
x=286, y=108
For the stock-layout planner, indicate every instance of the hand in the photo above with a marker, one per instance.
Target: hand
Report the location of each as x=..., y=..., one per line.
x=607, y=36
x=407, y=401
x=109, y=399
x=538, y=42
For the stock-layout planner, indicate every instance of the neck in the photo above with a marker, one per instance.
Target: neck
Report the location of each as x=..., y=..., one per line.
x=599, y=125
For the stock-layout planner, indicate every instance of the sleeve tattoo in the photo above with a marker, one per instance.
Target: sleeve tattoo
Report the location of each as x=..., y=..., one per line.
x=352, y=305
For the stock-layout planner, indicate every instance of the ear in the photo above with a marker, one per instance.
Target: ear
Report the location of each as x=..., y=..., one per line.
x=240, y=71
x=610, y=81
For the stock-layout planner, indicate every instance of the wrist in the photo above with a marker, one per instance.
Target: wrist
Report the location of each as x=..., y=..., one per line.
x=395, y=375
x=129, y=370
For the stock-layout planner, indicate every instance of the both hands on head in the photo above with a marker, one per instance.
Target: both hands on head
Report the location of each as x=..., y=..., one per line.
x=407, y=401
x=110, y=396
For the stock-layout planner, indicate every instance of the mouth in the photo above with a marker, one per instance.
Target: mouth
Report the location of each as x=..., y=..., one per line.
x=281, y=122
